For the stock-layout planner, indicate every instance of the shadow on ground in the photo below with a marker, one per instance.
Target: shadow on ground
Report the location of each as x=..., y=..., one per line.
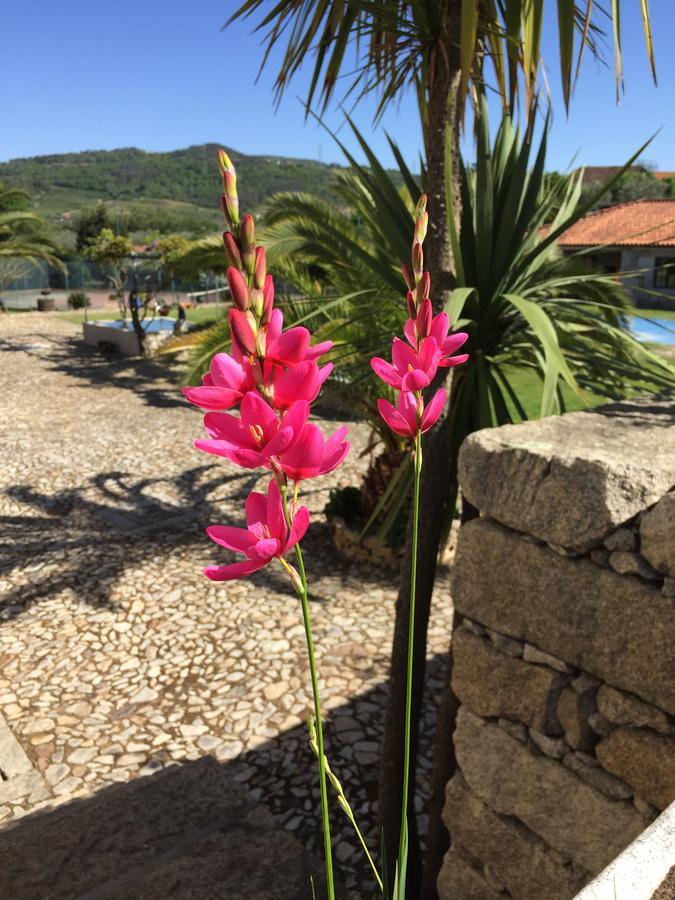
x=202, y=830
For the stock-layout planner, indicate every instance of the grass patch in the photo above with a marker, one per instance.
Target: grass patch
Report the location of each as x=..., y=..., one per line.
x=528, y=387
x=653, y=313
x=199, y=315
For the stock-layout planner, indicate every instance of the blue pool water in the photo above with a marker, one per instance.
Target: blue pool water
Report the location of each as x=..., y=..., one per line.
x=151, y=327
x=653, y=331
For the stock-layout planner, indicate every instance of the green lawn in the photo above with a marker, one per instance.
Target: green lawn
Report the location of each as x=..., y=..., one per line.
x=654, y=313
x=528, y=388
x=199, y=315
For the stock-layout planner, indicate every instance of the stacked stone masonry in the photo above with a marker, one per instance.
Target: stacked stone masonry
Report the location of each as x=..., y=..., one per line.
x=564, y=589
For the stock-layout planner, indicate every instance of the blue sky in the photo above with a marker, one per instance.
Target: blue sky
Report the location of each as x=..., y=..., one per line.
x=162, y=75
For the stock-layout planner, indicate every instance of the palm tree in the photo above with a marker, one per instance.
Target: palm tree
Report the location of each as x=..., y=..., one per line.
x=22, y=237
x=439, y=49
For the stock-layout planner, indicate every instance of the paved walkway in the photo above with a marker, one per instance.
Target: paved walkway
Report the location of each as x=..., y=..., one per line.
x=117, y=658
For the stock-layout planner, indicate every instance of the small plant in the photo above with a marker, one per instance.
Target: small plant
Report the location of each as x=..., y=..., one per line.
x=78, y=300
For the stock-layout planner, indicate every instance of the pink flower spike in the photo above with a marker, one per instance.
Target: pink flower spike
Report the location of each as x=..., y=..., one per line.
x=266, y=536
x=224, y=385
x=310, y=455
x=252, y=440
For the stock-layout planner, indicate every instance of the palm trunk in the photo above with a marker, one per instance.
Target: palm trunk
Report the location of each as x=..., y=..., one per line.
x=435, y=487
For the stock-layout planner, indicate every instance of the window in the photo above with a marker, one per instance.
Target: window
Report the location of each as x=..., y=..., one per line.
x=664, y=273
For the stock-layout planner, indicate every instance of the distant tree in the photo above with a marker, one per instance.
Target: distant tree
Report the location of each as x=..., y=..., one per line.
x=23, y=236
x=631, y=186
x=89, y=225
x=113, y=253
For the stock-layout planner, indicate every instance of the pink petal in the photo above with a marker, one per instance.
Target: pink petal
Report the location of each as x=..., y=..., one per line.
x=275, y=326
x=393, y=418
x=256, y=508
x=237, y=539
x=439, y=327
x=450, y=361
x=256, y=411
x=242, y=333
x=290, y=347
x=428, y=356
x=224, y=427
x=298, y=528
x=415, y=380
x=280, y=442
x=264, y=549
x=386, y=372
x=433, y=410
x=453, y=342
x=236, y=570
x=276, y=521
x=301, y=382
x=226, y=372
x=296, y=418
x=318, y=350
x=335, y=452
x=407, y=407
x=402, y=355
x=213, y=398
x=410, y=333
x=303, y=459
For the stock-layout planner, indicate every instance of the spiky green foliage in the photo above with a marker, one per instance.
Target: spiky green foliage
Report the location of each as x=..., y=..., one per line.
x=22, y=237
x=398, y=43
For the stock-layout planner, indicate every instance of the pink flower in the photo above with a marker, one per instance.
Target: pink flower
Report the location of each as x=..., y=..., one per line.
x=310, y=455
x=266, y=537
x=412, y=370
x=404, y=418
x=438, y=330
x=224, y=385
x=257, y=436
x=301, y=382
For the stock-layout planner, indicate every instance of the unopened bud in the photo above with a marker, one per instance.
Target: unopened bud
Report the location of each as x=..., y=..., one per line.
x=231, y=250
x=243, y=331
x=260, y=270
x=423, y=320
x=224, y=163
x=346, y=808
x=410, y=299
x=409, y=280
x=421, y=227
x=237, y=285
x=247, y=242
x=268, y=299
x=417, y=260
x=257, y=299
x=421, y=207
x=423, y=287
x=230, y=200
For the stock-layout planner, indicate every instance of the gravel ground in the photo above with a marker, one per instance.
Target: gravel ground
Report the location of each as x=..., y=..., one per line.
x=117, y=657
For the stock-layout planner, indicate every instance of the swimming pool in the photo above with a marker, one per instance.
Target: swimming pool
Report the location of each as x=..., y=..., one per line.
x=653, y=331
x=152, y=327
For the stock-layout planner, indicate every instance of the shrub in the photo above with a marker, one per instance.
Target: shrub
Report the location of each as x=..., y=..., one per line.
x=78, y=300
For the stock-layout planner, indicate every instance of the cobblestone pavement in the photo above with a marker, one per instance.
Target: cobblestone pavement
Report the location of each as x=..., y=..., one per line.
x=117, y=657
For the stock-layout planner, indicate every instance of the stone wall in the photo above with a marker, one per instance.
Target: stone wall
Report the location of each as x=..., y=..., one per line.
x=563, y=653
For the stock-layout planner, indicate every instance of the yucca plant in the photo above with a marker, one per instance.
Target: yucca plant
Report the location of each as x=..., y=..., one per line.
x=22, y=238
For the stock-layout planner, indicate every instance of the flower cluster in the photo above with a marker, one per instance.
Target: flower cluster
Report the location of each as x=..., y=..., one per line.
x=429, y=347
x=272, y=375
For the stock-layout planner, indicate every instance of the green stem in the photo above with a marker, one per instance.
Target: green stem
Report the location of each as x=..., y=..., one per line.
x=317, y=708
x=402, y=850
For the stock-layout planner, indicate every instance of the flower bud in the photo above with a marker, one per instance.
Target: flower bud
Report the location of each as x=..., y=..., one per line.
x=224, y=163
x=257, y=299
x=417, y=260
x=231, y=250
x=412, y=310
x=424, y=287
x=237, y=285
x=421, y=207
x=247, y=242
x=407, y=275
x=243, y=331
x=260, y=270
x=230, y=200
x=296, y=581
x=268, y=299
x=421, y=227
x=423, y=319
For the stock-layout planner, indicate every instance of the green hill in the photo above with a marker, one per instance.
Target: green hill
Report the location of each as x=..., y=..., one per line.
x=169, y=192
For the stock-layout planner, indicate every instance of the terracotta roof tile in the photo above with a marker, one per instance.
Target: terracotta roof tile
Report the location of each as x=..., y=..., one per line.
x=640, y=223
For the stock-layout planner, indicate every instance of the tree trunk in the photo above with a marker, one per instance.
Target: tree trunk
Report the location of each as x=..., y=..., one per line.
x=435, y=487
